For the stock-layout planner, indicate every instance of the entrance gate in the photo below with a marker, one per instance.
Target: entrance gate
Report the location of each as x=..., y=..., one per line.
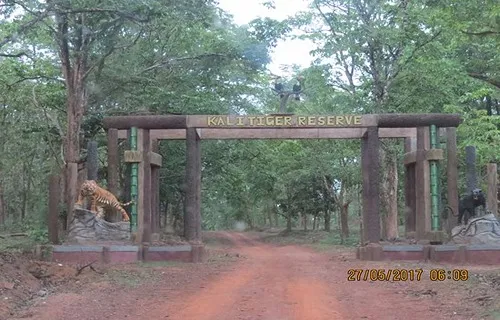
x=418, y=130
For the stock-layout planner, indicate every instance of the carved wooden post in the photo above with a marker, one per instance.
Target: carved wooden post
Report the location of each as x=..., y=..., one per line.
x=422, y=183
x=410, y=200
x=113, y=161
x=192, y=217
x=452, y=174
x=144, y=184
x=198, y=188
x=371, y=201
x=113, y=165
x=147, y=162
x=127, y=181
x=155, y=190
x=492, y=196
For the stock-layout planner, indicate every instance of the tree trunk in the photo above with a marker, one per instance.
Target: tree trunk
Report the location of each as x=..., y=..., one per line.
x=390, y=197
x=169, y=219
x=327, y=220
x=76, y=104
x=344, y=211
x=24, y=193
x=2, y=206
x=163, y=214
x=344, y=222
x=288, y=222
x=383, y=225
x=314, y=222
x=360, y=214
x=74, y=68
x=269, y=214
x=304, y=221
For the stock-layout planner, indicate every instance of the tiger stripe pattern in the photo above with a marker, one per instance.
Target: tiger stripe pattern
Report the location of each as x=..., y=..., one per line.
x=100, y=196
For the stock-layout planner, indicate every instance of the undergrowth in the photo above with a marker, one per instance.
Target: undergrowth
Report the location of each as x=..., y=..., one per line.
x=30, y=232
x=320, y=240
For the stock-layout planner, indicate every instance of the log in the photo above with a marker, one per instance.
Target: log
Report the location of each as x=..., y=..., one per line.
x=146, y=122
x=21, y=234
x=86, y=227
x=412, y=120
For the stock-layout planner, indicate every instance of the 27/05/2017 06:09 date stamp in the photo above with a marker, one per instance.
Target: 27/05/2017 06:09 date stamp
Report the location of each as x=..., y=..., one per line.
x=406, y=274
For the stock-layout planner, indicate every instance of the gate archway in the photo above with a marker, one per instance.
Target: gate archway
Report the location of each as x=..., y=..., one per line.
x=418, y=130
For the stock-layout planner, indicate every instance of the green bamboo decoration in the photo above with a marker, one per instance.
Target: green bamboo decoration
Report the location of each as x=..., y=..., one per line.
x=435, y=225
x=133, y=181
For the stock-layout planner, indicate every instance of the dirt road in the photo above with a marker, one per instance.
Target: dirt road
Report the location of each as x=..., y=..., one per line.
x=266, y=282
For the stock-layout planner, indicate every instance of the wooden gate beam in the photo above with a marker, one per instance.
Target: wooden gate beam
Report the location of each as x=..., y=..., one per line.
x=452, y=174
x=422, y=184
x=410, y=200
x=192, y=187
x=370, y=165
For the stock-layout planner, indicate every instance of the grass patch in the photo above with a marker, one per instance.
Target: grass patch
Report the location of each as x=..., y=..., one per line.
x=215, y=241
x=495, y=314
x=319, y=240
x=485, y=284
x=17, y=244
x=158, y=264
x=139, y=273
x=132, y=278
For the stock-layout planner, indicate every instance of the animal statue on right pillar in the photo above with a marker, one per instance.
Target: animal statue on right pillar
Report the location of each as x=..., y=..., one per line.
x=468, y=204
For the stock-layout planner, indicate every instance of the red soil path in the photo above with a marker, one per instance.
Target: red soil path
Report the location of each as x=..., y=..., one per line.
x=266, y=282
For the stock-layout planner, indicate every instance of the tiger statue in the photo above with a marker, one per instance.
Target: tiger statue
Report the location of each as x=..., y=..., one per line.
x=100, y=196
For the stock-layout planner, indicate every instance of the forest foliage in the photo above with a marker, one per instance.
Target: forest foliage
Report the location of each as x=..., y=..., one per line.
x=94, y=59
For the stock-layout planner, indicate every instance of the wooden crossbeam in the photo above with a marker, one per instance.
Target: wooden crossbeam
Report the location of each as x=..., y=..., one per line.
x=276, y=133
x=392, y=120
x=431, y=154
x=137, y=156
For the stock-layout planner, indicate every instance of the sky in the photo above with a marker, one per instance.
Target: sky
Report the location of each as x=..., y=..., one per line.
x=287, y=52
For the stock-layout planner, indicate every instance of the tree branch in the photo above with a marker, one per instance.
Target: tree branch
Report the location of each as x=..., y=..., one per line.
x=13, y=55
x=110, y=51
x=122, y=14
x=484, y=78
x=173, y=60
x=62, y=29
x=23, y=28
x=56, y=124
x=34, y=78
x=482, y=33
x=415, y=50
